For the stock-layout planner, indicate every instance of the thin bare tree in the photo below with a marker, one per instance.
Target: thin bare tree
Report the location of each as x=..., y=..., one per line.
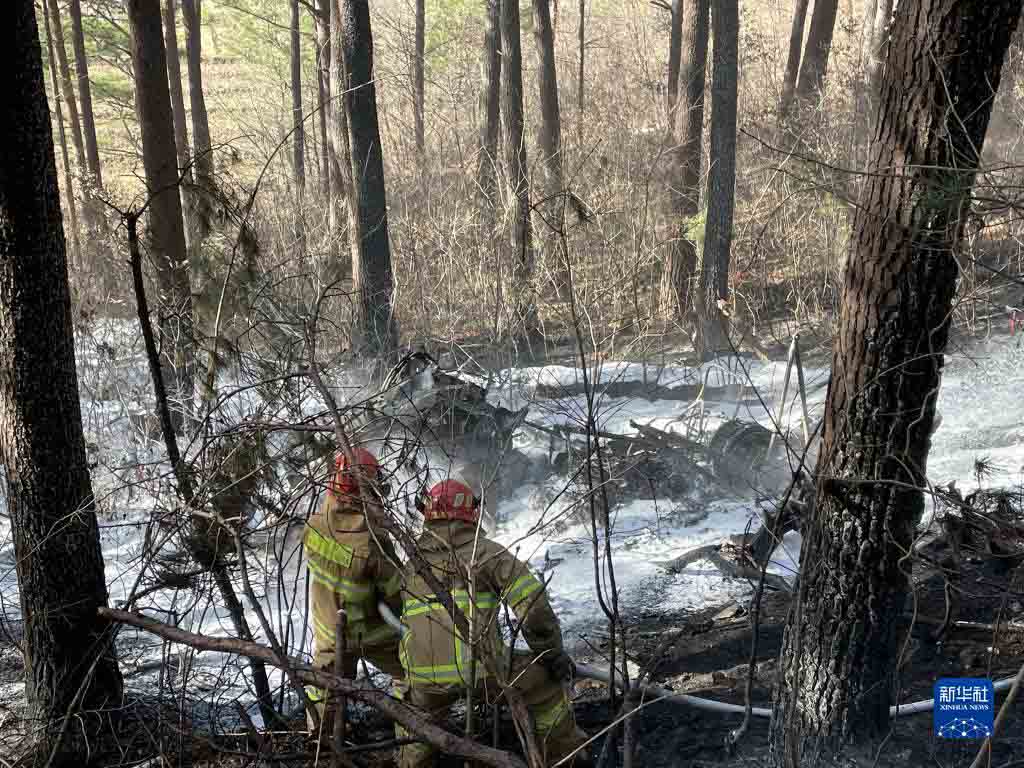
x=814, y=64
x=796, y=44
x=713, y=285
x=490, y=109
x=92, y=152
x=69, y=189
x=419, y=75
x=192, y=15
x=298, y=121
x=693, y=44
x=368, y=209
x=521, y=231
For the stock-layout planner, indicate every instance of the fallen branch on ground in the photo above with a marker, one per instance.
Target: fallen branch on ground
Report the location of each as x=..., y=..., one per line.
x=403, y=714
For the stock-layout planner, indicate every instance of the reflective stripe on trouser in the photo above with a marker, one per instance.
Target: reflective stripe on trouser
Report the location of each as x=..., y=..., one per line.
x=553, y=718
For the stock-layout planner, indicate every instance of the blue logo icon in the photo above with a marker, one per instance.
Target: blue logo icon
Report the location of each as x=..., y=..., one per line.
x=964, y=708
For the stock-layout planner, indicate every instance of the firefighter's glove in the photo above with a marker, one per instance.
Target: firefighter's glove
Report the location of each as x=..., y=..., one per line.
x=559, y=665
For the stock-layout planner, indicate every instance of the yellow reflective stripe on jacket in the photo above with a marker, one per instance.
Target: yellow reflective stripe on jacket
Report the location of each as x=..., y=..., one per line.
x=439, y=674
x=327, y=548
x=546, y=719
x=415, y=607
x=315, y=695
x=521, y=589
x=357, y=591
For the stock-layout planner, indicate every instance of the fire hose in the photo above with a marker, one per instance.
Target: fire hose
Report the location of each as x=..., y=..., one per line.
x=602, y=675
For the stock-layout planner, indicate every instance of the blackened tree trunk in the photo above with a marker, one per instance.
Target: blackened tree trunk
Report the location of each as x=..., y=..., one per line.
x=714, y=275
x=166, y=225
x=796, y=44
x=418, y=75
x=838, y=661
x=69, y=190
x=490, y=111
x=322, y=24
x=192, y=14
x=368, y=209
x=92, y=152
x=298, y=121
x=524, y=308
x=687, y=154
x=549, y=135
x=819, y=46
x=70, y=662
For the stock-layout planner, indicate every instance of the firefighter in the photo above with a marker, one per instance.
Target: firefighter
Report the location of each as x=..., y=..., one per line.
x=440, y=665
x=352, y=568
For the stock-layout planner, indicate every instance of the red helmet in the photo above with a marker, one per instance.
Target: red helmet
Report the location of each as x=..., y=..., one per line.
x=348, y=474
x=451, y=499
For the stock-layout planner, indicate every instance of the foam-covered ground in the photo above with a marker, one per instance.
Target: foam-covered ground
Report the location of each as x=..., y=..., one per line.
x=978, y=401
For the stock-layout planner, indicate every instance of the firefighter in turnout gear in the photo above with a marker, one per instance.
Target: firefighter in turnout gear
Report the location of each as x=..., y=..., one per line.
x=351, y=569
x=440, y=664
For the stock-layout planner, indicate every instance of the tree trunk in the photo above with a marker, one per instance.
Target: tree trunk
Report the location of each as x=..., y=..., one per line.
x=298, y=122
x=675, y=49
x=878, y=45
x=174, y=81
x=69, y=190
x=796, y=43
x=92, y=152
x=368, y=210
x=819, y=45
x=67, y=88
x=549, y=137
x=838, y=662
x=525, y=311
x=322, y=22
x=687, y=154
x=490, y=114
x=178, y=113
x=70, y=660
x=339, y=161
x=418, y=75
x=166, y=229
x=581, y=40
x=192, y=12
x=714, y=275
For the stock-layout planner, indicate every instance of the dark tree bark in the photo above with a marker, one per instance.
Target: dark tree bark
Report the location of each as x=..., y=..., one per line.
x=582, y=46
x=166, y=225
x=819, y=45
x=714, y=276
x=69, y=189
x=92, y=152
x=298, y=123
x=675, y=49
x=418, y=74
x=525, y=312
x=192, y=12
x=796, y=44
x=322, y=23
x=837, y=666
x=549, y=136
x=70, y=661
x=368, y=210
x=490, y=111
x=693, y=34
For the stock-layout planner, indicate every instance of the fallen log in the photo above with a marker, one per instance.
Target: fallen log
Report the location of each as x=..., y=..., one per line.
x=394, y=709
